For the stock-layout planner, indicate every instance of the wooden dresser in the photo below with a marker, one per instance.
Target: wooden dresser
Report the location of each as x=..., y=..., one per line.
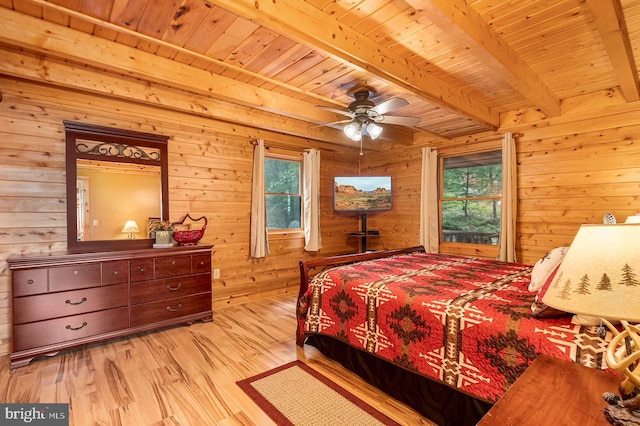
x=64, y=300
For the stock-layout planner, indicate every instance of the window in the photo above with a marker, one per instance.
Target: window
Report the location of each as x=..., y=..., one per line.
x=470, y=196
x=283, y=187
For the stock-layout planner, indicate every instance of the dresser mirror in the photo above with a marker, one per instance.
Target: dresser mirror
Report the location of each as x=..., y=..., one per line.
x=117, y=185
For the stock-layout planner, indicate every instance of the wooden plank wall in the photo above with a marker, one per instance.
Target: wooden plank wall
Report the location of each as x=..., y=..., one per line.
x=574, y=169
x=399, y=227
x=571, y=170
x=210, y=168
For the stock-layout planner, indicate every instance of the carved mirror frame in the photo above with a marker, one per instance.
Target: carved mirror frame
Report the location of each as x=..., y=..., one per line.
x=112, y=145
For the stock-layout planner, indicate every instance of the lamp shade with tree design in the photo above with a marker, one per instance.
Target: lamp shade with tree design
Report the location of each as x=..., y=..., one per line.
x=600, y=277
x=600, y=274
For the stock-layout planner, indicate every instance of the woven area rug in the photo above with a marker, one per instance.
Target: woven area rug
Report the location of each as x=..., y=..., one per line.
x=296, y=394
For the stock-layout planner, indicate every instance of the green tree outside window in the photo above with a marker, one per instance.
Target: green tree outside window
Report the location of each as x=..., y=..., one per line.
x=470, y=198
x=283, y=194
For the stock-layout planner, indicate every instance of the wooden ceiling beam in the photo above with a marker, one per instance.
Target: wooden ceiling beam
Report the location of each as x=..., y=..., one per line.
x=610, y=21
x=101, y=23
x=464, y=26
x=65, y=43
x=88, y=80
x=309, y=26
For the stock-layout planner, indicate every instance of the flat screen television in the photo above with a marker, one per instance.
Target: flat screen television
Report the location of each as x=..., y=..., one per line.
x=362, y=194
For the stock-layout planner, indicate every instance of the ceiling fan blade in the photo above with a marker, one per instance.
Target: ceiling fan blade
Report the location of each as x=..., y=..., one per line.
x=337, y=111
x=399, y=120
x=333, y=124
x=389, y=105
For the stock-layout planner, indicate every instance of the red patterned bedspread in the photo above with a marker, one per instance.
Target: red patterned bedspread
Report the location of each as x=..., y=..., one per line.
x=464, y=321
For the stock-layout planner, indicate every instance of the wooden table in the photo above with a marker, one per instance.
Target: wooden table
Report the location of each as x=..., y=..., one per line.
x=554, y=392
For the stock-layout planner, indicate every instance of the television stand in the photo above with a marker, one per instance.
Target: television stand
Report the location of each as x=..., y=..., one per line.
x=364, y=233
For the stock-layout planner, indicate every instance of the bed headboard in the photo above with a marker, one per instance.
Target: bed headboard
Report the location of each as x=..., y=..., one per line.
x=307, y=265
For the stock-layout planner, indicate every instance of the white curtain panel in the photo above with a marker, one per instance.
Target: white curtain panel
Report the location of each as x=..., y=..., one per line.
x=429, y=201
x=311, y=193
x=259, y=236
x=507, y=248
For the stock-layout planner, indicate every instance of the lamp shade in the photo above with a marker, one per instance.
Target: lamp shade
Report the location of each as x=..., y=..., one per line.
x=353, y=131
x=374, y=130
x=130, y=228
x=600, y=274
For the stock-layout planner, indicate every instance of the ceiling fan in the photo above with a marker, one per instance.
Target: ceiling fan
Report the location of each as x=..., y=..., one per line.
x=364, y=116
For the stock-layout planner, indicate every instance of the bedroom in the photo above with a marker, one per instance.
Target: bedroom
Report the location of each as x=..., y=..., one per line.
x=578, y=154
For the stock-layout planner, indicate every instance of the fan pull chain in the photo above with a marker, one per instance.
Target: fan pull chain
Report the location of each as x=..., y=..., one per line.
x=361, y=153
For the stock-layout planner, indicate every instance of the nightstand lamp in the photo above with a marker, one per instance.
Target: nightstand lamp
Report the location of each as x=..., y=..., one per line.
x=130, y=227
x=600, y=276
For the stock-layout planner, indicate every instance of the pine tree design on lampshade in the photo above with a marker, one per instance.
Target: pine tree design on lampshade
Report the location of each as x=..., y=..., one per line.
x=629, y=278
x=584, y=285
x=605, y=283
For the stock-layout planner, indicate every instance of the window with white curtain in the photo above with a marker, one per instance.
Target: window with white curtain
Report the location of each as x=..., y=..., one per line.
x=470, y=198
x=283, y=191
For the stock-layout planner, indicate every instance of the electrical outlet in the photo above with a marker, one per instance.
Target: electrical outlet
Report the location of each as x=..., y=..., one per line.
x=216, y=273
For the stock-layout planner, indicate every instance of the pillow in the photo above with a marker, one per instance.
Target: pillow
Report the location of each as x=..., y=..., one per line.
x=539, y=309
x=544, y=267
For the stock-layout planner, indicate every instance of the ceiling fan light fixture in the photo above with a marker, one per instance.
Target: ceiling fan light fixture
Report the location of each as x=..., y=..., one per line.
x=374, y=130
x=353, y=131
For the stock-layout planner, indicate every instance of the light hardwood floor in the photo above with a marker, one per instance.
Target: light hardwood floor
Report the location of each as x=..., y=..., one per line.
x=183, y=375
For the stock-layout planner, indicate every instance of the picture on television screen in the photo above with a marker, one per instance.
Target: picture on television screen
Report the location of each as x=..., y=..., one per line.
x=362, y=193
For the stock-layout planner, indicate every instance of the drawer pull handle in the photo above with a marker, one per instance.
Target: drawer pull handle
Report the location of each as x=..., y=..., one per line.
x=76, y=272
x=173, y=262
x=141, y=269
x=174, y=288
x=170, y=309
x=30, y=282
x=84, y=299
x=84, y=324
x=201, y=263
x=115, y=272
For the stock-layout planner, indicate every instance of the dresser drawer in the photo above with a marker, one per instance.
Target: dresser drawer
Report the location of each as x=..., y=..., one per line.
x=66, y=303
x=29, y=281
x=141, y=270
x=60, y=330
x=170, y=309
x=169, y=288
x=173, y=266
x=201, y=263
x=73, y=277
x=115, y=272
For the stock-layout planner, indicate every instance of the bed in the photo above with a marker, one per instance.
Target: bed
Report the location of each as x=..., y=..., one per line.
x=446, y=334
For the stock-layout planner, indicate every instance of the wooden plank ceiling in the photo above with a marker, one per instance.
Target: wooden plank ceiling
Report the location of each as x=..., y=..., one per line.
x=459, y=63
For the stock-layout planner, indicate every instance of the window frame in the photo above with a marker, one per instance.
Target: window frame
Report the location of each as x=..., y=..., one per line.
x=295, y=156
x=470, y=249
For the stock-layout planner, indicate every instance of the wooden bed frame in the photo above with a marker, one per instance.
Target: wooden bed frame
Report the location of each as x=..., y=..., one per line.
x=306, y=266
x=435, y=400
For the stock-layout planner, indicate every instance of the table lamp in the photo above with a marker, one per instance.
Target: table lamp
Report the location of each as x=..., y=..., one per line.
x=130, y=227
x=600, y=276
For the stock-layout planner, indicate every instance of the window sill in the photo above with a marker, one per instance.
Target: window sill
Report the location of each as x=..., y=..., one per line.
x=478, y=250
x=283, y=234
